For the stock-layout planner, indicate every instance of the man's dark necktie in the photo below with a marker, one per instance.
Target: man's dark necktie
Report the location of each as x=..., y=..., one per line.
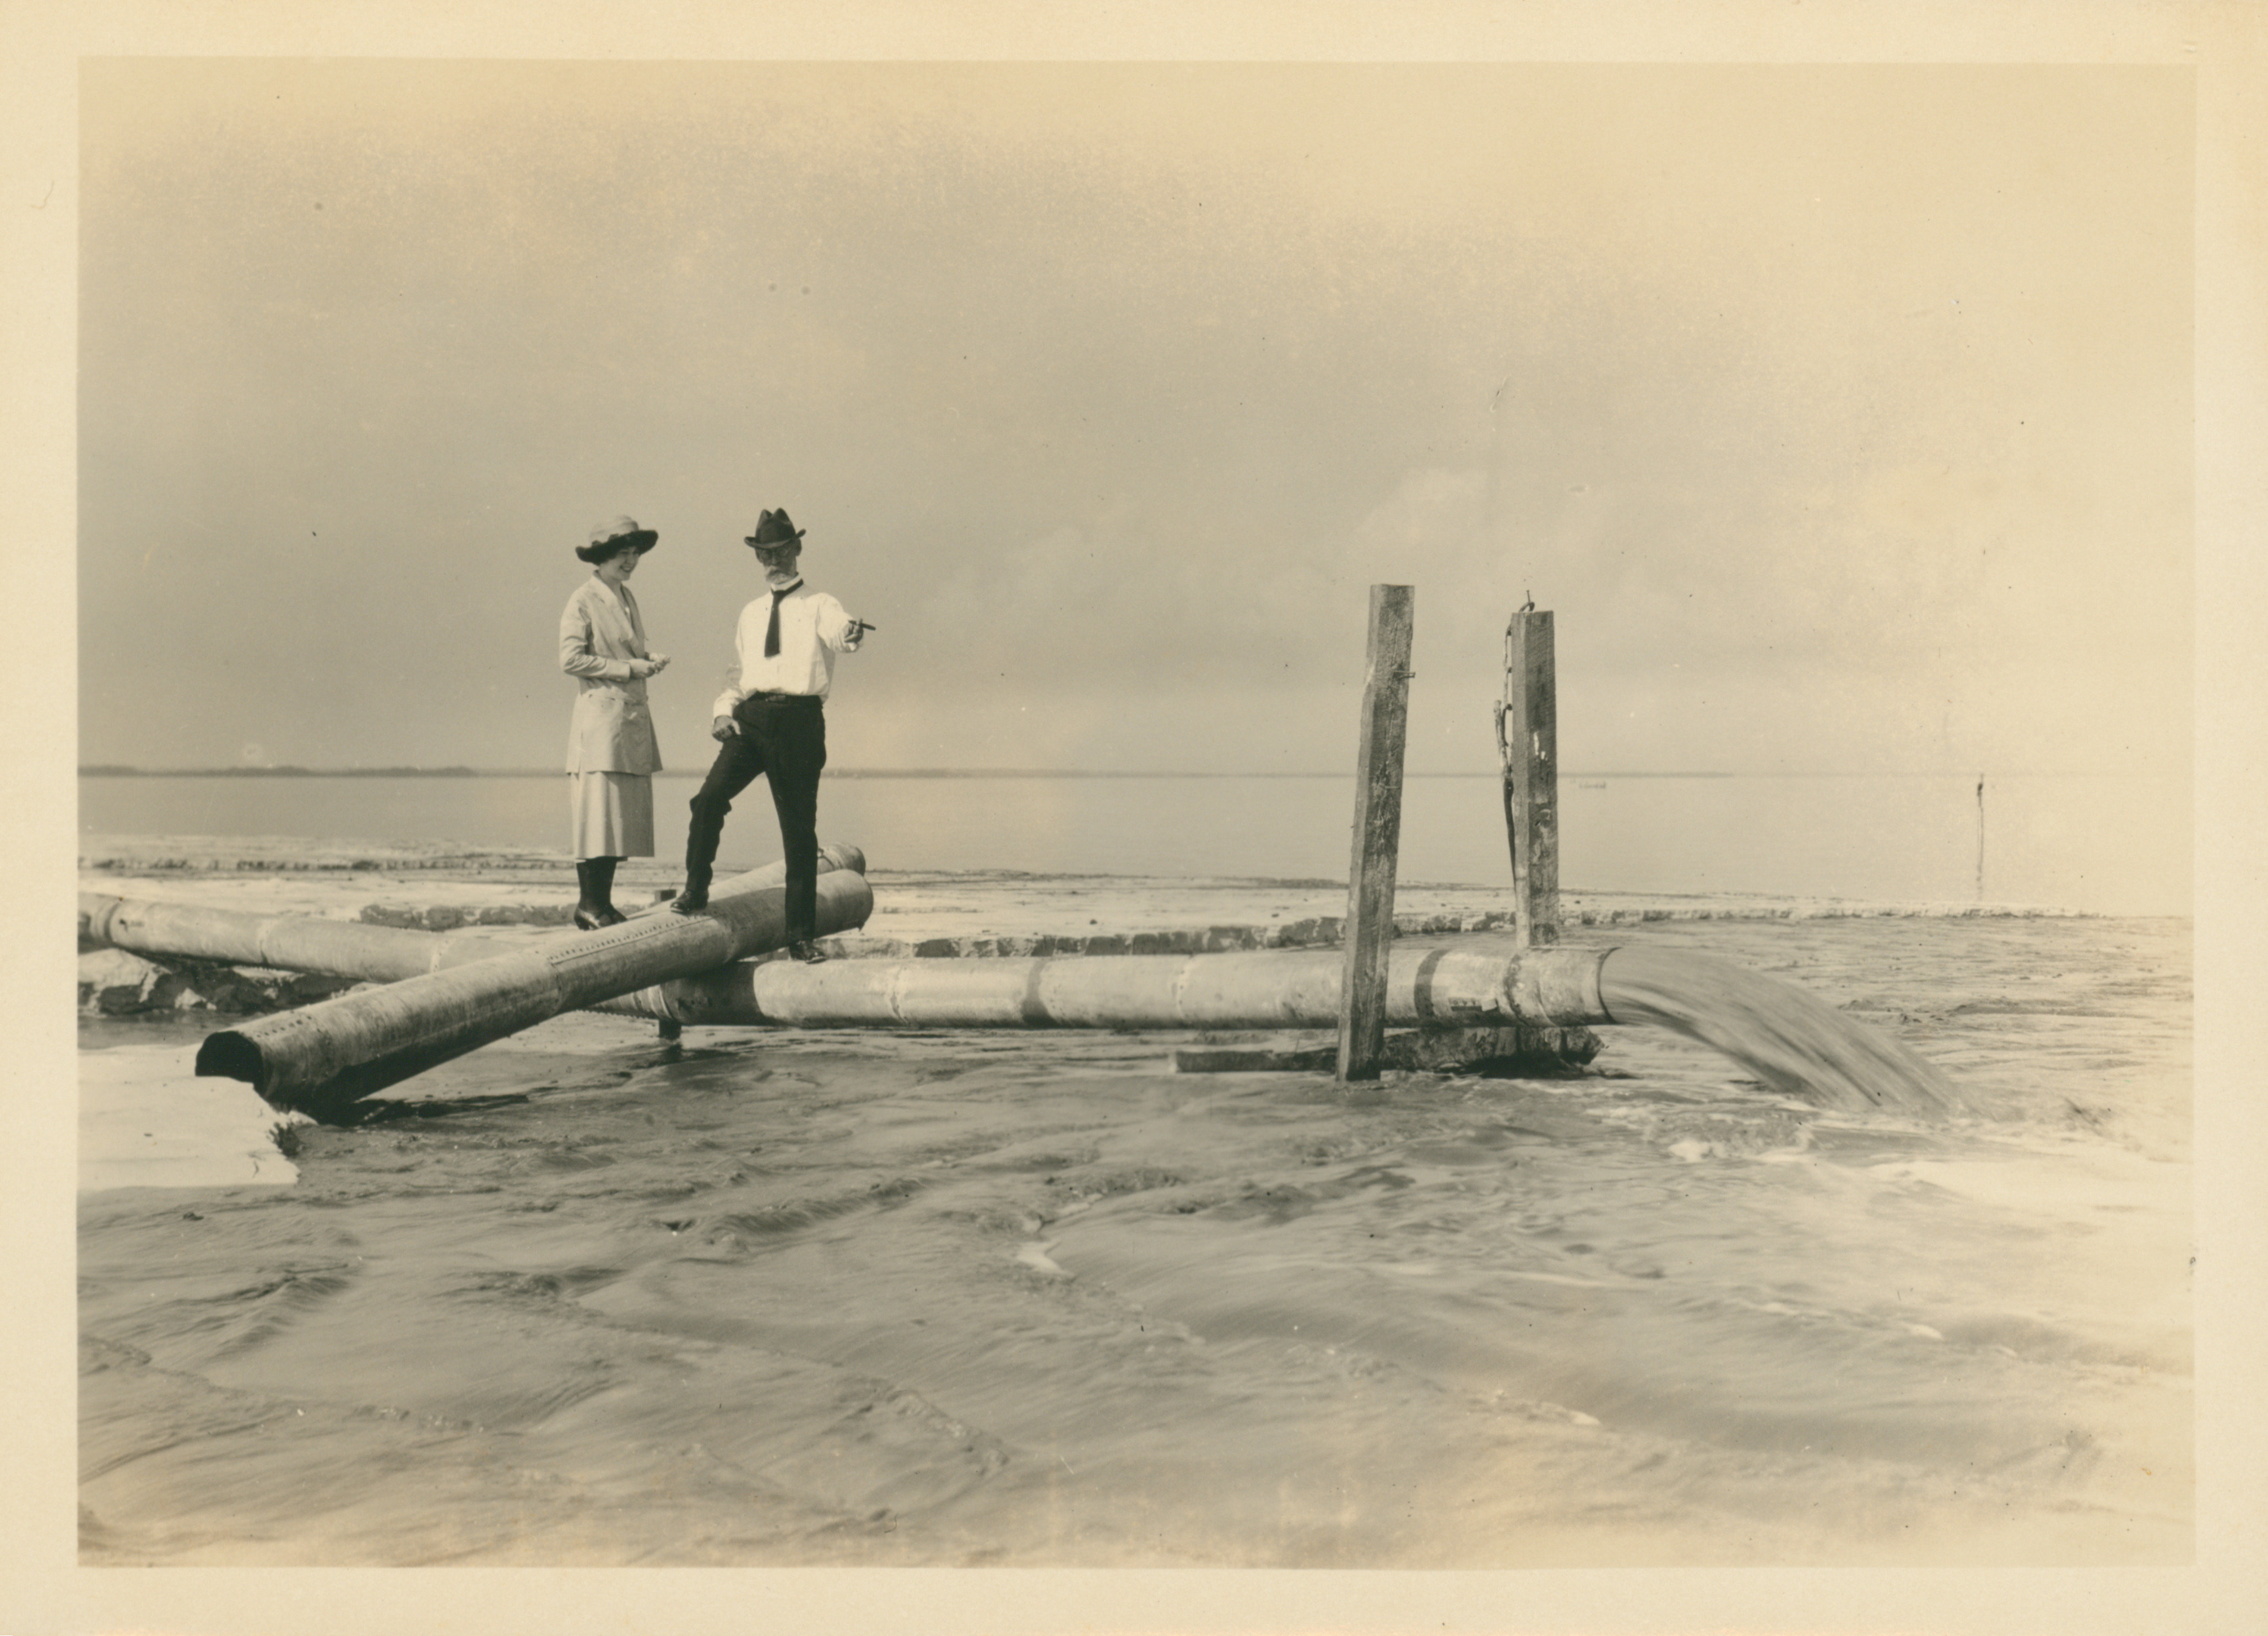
x=771, y=629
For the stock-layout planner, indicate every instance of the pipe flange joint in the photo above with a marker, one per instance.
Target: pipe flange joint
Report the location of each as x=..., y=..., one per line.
x=1557, y=986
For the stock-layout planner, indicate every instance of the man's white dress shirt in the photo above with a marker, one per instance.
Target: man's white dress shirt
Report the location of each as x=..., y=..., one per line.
x=813, y=629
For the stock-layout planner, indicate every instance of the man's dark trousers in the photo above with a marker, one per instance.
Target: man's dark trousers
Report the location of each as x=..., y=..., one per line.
x=786, y=740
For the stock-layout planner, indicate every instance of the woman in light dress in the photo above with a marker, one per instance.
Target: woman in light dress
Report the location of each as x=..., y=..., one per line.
x=611, y=753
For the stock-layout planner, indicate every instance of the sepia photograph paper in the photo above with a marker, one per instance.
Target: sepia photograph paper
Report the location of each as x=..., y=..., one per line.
x=1348, y=820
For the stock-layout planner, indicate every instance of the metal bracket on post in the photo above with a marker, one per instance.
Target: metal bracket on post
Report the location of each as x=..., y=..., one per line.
x=1527, y=738
x=1377, y=831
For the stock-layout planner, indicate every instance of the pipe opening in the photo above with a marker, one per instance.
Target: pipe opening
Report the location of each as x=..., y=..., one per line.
x=228, y=1055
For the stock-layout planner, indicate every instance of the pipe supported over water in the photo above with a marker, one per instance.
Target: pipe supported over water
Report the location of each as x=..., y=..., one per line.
x=1790, y=1040
x=1426, y=988
x=323, y=1058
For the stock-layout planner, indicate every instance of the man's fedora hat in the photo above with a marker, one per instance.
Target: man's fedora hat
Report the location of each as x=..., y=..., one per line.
x=614, y=534
x=773, y=528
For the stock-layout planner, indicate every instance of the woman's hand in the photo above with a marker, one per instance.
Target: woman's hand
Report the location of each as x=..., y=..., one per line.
x=641, y=669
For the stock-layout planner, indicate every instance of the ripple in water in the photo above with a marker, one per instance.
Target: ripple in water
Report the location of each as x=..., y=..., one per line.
x=1794, y=1041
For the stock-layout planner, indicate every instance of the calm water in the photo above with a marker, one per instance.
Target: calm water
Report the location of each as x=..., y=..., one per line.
x=2106, y=845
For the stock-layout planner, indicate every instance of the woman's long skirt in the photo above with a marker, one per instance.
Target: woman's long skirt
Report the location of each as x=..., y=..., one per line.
x=610, y=814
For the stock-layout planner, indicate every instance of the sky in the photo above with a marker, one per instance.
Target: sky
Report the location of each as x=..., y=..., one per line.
x=1841, y=415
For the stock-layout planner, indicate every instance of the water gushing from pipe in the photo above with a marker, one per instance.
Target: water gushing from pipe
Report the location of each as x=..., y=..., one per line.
x=1793, y=1041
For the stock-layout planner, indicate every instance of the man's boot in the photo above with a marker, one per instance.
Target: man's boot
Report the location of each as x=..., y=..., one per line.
x=694, y=898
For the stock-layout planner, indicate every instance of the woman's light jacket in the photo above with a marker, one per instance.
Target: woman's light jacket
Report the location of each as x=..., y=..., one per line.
x=612, y=730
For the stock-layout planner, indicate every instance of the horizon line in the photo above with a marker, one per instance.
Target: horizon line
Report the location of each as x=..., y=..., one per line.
x=119, y=770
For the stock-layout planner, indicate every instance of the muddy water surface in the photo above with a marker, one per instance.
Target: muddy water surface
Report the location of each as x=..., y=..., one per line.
x=1032, y=1300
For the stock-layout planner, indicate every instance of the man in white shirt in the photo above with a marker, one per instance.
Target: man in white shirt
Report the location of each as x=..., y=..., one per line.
x=770, y=722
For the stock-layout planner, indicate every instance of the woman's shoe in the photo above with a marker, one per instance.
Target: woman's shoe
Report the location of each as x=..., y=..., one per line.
x=596, y=910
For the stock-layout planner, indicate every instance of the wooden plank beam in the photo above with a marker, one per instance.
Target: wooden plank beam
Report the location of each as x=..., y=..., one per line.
x=1522, y=1051
x=1377, y=830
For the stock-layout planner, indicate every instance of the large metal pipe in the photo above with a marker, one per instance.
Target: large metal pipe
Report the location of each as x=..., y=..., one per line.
x=1470, y=986
x=343, y=948
x=1286, y=989
x=323, y=1058
x=339, y=948
x=1792, y=1041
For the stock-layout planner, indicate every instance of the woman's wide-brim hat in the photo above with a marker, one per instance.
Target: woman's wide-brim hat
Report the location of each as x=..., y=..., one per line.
x=773, y=528
x=613, y=536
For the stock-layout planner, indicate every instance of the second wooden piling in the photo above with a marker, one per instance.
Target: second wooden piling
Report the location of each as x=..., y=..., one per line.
x=1377, y=829
x=1528, y=734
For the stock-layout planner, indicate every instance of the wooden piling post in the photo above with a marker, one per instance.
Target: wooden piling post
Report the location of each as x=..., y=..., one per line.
x=1528, y=734
x=1377, y=830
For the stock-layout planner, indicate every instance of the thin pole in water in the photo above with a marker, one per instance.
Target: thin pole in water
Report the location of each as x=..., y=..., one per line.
x=1980, y=837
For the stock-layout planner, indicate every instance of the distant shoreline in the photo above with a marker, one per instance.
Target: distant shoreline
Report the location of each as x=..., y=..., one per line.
x=832, y=772
x=109, y=769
